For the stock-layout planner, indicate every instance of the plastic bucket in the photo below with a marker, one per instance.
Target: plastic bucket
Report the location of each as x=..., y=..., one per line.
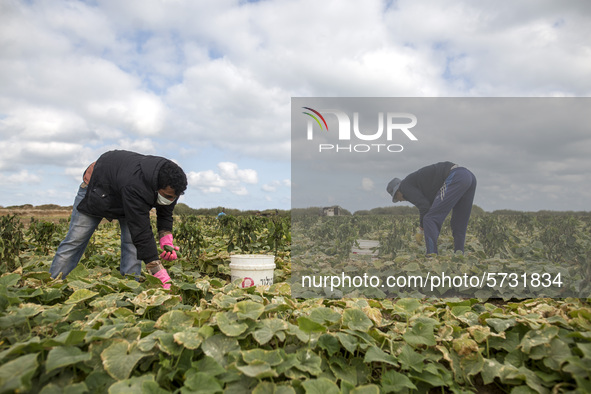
x=252, y=269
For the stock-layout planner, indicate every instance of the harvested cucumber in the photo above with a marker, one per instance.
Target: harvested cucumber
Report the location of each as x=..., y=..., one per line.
x=168, y=248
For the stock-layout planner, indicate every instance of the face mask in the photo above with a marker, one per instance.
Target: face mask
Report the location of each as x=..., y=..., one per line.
x=163, y=200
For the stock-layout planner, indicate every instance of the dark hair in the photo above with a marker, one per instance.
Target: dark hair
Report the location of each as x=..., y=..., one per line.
x=172, y=175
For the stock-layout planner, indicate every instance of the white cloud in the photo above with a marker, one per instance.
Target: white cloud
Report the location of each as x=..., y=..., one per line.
x=229, y=178
x=230, y=172
x=80, y=77
x=22, y=176
x=144, y=145
x=273, y=186
x=367, y=184
x=231, y=108
x=269, y=187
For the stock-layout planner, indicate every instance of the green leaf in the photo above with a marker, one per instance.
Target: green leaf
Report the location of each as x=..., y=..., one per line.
x=530, y=378
x=348, y=341
x=200, y=382
x=188, y=338
x=472, y=364
x=120, y=359
x=464, y=345
x=501, y=325
x=395, y=382
x=270, y=328
x=98, y=381
x=228, y=324
x=323, y=314
x=553, y=355
x=435, y=375
x=329, y=343
x=249, y=309
x=297, y=332
x=167, y=344
x=493, y=369
x=81, y=295
x=76, y=388
x=209, y=366
x=309, y=326
x=63, y=356
x=366, y=389
x=78, y=273
x=144, y=384
x=218, y=346
x=343, y=370
x=309, y=362
x=271, y=357
x=320, y=386
x=356, y=319
x=16, y=375
x=9, y=279
x=538, y=337
x=375, y=354
x=420, y=334
x=586, y=350
x=174, y=321
x=258, y=369
x=272, y=388
x=408, y=305
x=71, y=338
x=410, y=359
x=29, y=310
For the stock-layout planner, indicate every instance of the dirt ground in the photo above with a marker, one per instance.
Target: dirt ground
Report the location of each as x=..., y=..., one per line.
x=54, y=214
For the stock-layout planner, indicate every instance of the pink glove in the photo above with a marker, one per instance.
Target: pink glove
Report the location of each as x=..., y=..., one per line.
x=167, y=241
x=163, y=276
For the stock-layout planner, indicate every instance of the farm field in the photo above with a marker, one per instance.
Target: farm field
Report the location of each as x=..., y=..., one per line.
x=99, y=332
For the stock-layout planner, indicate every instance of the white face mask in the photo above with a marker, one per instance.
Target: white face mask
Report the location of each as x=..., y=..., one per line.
x=163, y=200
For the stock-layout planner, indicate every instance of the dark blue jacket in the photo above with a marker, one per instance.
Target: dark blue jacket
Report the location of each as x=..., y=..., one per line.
x=421, y=187
x=124, y=185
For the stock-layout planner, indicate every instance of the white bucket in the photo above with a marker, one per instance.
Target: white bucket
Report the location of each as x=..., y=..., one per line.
x=253, y=269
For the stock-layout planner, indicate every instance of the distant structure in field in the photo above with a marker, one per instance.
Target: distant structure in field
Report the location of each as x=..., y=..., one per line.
x=335, y=210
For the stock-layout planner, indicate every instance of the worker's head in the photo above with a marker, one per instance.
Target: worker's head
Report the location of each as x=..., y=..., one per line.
x=392, y=189
x=172, y=181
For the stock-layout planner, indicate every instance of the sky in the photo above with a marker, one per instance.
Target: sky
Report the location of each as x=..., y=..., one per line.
x=209, y=84
x=526, y=153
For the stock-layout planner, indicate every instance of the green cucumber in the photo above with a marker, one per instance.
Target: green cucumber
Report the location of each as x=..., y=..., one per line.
x=168, y=248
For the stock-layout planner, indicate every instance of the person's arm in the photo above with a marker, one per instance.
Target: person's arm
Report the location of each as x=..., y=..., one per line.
x=164, y=225
x=414, y=195
x=137, y=215
x=164, y=218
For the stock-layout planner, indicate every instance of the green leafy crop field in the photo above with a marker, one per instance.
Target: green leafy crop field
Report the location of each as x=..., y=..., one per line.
x=99, y=332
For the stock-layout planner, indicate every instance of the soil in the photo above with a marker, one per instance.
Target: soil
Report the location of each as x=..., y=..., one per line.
x=53, y=213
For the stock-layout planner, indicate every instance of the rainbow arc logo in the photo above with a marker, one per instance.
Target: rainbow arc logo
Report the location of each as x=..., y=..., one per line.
x=315, y=118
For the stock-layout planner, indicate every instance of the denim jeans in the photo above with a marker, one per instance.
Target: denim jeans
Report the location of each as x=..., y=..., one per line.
x=82, y=226
x=456, y=195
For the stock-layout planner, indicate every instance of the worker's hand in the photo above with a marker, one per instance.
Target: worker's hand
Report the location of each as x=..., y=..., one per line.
x=164, y=278
x=169, y=250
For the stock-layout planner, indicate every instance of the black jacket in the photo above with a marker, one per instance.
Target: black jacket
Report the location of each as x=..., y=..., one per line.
x=421, y=187
x=124, y=185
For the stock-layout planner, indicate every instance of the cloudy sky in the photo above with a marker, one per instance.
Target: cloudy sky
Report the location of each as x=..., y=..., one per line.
x=209, y=84
x=526, y=153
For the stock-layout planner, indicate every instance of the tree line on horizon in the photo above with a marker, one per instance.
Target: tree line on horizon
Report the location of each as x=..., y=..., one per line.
x=184, y=209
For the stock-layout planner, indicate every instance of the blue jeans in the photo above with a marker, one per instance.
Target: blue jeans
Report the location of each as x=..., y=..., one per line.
x=456, y=195
x=82, y=226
